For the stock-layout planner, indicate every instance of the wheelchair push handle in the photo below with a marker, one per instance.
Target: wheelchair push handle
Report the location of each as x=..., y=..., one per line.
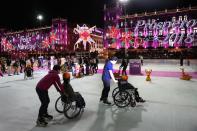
x=119, y=80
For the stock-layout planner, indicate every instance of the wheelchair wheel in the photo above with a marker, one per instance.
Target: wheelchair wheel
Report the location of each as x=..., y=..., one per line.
x=59, y=105
x=115, y=91
x=71, y=110
x=122, y=99
x=133, y=101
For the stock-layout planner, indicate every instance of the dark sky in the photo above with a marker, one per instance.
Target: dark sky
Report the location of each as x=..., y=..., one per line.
x=19, y=14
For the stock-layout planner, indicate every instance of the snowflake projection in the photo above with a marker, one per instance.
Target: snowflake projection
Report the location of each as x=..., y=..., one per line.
x=50, y=40
x=46, y=43
x=114, y=32
x=84, y=36
x=126, y=38
x=6, y=44
x=53, y=37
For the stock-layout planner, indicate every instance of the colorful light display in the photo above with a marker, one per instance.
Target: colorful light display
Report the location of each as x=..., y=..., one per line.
x=163, y=29
x=27, y=41
x=143, y=32
x=36, y=39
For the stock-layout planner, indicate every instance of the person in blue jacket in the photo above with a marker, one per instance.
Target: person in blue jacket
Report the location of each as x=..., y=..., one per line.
x=106, y=77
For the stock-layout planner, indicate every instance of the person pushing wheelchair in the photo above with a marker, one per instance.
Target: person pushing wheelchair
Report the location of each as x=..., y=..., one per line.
x=106, y=77
x=52, y=78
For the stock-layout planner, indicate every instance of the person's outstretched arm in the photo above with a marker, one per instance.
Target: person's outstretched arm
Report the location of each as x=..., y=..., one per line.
x=112, y=76
x=58, y=85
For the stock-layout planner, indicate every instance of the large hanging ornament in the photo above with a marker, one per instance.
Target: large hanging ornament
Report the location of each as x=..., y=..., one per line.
x=84, y=35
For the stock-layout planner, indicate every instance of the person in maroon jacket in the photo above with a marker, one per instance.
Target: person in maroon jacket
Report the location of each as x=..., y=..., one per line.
x=52, y=78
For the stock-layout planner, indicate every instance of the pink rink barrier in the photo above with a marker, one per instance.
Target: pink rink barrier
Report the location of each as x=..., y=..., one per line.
x=161, y=73
x=154, y=73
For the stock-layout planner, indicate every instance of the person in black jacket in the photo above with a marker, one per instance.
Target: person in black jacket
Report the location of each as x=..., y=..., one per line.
x=8, y=62
x=22, y=64
x=123, y=65
x=16, y=65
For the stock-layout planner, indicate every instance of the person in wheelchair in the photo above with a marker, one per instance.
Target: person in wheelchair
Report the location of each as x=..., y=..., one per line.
x=28, y=71
x=69, y=92
x=125, y=85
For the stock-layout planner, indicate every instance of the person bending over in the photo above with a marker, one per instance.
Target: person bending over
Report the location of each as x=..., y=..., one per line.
x=52, y=78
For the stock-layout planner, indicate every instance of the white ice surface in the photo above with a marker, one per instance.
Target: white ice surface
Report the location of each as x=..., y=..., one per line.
x=171, y=105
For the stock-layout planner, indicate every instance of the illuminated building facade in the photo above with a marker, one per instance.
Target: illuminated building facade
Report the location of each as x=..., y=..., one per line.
x=168, y=28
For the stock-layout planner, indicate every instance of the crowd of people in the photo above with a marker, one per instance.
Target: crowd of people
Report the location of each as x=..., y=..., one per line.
x=79, y=67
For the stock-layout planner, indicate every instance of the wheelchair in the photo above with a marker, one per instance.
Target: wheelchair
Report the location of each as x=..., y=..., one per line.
x=68, y=106
x=123, y=96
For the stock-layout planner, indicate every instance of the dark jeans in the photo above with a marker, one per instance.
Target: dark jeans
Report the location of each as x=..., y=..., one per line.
x=128, y=86
x=181, y=62
x=106, y=89
x=44, y=99
x=124, y=72
x=87, y=70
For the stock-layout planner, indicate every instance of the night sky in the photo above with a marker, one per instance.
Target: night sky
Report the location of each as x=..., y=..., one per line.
x=19, y=14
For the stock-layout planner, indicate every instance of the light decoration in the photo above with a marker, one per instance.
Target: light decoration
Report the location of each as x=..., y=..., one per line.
x=53, y=37
x=126, y=37
x=168, y=33
x=155, y=41
x=46, y=43
x=137, y=42
x=6, y=44
x=174, y=39
x=29, y=40
x=84, y=36
x=145, y=43
x=114, y=32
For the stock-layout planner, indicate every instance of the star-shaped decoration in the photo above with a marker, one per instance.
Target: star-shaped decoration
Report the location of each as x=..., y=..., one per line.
x=84, y=35
x=46, y=43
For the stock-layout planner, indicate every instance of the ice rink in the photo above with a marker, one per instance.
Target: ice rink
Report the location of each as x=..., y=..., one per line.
x=171, y=104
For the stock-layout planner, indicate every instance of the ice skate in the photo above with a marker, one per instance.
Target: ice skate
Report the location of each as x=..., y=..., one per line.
x=106, y=102
x=41, y=122
x=48, y=117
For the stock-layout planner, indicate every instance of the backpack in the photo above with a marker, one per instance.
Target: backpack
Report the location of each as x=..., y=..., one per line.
x=80, y=102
